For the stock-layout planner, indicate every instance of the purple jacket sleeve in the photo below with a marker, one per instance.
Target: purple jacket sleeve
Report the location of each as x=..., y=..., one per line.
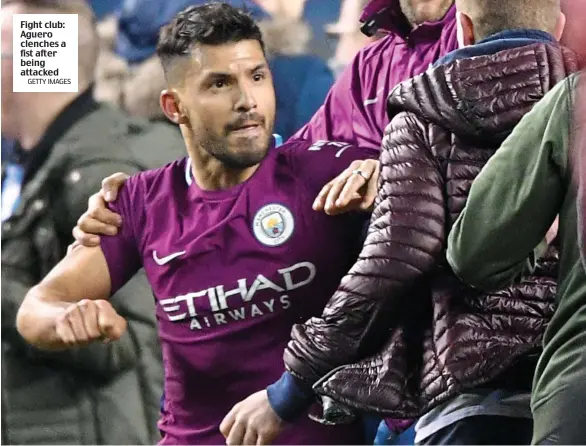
x=354, y=110
x=333, y=120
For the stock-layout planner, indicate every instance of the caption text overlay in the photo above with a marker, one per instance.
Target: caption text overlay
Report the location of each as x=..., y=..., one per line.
x=45, y=52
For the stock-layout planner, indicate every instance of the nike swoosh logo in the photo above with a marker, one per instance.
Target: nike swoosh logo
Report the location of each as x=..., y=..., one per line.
x=375, y=99
x=164, y=260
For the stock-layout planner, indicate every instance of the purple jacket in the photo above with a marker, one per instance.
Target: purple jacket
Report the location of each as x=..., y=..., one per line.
x=355, y=108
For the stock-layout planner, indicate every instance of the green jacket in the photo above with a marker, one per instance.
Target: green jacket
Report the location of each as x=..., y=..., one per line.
x=511, y=206
x=102, y=394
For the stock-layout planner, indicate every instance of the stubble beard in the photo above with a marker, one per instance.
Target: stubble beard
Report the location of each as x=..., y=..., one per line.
x=248, y=153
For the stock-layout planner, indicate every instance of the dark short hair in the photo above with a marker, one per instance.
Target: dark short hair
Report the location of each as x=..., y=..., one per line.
x=213, y=23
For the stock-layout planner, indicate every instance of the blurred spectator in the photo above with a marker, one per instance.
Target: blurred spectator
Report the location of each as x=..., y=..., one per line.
x=350, y=39
x=289, y=9
x=7, y=146
x=65, y=143
x=301, y=80
x=316, y=13
x=355, y=109
x=417, y=33
x=301, y=84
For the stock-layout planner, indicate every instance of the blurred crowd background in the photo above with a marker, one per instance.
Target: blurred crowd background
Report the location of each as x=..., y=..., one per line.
x=309, y=42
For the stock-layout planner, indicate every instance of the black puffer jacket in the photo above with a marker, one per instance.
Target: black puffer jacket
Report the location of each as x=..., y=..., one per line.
x=425, y=335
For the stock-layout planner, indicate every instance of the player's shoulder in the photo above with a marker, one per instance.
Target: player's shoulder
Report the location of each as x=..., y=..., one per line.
x=316, y=161
x=157, y=180
x=370, y=54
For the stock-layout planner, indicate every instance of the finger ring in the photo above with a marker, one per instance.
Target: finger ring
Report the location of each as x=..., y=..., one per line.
x=361, y=173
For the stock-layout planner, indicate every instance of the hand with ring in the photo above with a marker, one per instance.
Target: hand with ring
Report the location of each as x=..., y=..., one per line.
x=354, y=189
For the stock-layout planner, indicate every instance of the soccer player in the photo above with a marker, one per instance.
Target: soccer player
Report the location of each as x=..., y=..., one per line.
x=230, y=244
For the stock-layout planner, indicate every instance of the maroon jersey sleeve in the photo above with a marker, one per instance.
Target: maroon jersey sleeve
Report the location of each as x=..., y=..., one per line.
x=122, y=250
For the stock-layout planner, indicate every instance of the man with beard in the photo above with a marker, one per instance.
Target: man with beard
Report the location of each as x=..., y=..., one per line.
x=227, y=237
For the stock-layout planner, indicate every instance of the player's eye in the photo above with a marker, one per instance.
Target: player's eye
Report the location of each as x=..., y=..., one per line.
x=258, y=77
x=220, y=83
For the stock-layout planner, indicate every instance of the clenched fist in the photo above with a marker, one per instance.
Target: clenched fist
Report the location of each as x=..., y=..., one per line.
x=89, y=320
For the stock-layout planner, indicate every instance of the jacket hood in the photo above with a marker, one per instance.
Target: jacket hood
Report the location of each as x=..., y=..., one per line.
x=484, y=97
x=387, y=16
x=383, y=15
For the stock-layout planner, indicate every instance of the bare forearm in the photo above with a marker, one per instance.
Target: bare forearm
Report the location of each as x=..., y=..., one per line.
x=36, y=319
x=98, y=358
x=70, y=308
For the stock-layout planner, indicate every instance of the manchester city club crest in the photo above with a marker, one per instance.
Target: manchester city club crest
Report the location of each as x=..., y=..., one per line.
x=273, y=225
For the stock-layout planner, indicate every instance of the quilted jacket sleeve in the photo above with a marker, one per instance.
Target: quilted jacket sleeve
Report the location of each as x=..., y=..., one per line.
x=405, y=238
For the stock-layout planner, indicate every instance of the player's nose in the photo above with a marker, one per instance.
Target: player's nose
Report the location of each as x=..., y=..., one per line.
x=246, y=99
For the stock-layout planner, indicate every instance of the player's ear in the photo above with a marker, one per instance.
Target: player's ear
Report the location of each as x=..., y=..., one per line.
x=465, y=30
x=560, y=26
x=170, y=104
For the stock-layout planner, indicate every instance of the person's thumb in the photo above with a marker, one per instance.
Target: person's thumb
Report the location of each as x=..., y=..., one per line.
x=112, y=326
x=73, y=247
x=112, y=184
